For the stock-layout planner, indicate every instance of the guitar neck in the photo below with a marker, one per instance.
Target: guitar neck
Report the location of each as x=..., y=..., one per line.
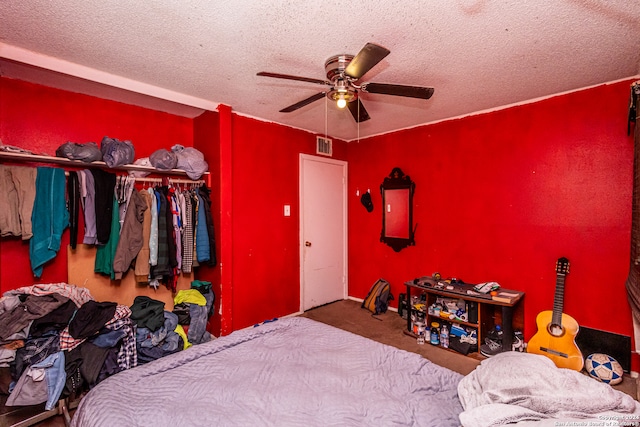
x=558, y=300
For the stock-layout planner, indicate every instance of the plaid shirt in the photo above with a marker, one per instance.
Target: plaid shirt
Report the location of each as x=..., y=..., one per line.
x=127, y=354
x=187, y=235
x=162, y=268
x=122, y=311
x=67, y=342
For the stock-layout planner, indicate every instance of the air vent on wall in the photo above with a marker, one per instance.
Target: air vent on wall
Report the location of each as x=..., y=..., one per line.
x=323, y=146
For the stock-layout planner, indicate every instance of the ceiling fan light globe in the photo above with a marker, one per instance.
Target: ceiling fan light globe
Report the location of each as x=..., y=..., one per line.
x=342, y=103
x=336, y=94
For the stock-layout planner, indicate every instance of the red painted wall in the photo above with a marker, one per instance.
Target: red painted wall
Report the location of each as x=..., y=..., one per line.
x=206, y=132
x=40, y=119
x=501, y=196
x=266, y=267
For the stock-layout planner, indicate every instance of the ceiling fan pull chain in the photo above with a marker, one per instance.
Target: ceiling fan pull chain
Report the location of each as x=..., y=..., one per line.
x=358, y=123
x=326, y=113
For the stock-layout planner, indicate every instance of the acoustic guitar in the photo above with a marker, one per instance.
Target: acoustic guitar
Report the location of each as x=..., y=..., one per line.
x=556, y=330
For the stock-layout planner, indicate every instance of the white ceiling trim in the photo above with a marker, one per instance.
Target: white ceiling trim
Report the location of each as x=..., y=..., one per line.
x=503, y=107
x=65, y=67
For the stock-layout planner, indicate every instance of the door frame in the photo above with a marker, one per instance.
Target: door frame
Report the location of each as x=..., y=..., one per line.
x=345, y=231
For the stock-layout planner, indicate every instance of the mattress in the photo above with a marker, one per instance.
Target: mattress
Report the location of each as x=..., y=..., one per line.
x=291, y=372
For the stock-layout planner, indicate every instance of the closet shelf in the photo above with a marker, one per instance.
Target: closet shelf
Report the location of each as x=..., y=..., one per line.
x=36, y=158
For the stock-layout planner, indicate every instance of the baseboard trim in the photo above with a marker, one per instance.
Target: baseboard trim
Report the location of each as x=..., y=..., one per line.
x=360, y=300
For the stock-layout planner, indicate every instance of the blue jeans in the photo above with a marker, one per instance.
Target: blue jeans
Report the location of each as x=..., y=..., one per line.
x=197, y=333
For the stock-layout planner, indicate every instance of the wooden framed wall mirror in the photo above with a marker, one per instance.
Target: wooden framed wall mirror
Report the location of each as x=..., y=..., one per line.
x=397, y=210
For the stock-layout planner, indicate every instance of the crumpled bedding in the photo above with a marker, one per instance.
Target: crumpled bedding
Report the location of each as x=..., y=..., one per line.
x=291, y=372
x=515, y=387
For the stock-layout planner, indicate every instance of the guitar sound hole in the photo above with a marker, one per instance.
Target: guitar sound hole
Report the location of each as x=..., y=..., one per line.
x=556, y=330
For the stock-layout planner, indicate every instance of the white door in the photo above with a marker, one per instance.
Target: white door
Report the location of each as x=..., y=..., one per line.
x=323, y=231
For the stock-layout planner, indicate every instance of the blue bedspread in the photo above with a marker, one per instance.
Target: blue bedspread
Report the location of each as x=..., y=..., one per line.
x=292, y=372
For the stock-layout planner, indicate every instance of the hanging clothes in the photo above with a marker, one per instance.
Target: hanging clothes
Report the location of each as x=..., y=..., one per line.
x=123, y=190
x=195, y=212
x=210, y=226
x=177, y=227
x=106, y=253
x=171, y=240
x=73, y=195
x=203, y=251
x=142, y=267
x=49, y=217
x=162, y=267
x=17, y=195
x=187, y=234
x=130, y=240
x=89, y=209
x=153, y=235
x=174, y=223
x=105, y=183
x=204, y=194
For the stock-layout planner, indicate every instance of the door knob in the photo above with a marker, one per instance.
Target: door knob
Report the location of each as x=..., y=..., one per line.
x=307, y=244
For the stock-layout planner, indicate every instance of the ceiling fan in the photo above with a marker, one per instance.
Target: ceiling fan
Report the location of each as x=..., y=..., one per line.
x=343, y=74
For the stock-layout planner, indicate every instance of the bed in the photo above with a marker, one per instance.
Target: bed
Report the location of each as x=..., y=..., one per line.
x=291, y=372
x=296, y=371
x=529, y=390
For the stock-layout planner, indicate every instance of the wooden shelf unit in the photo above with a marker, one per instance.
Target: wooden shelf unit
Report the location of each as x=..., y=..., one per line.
x=489, y=312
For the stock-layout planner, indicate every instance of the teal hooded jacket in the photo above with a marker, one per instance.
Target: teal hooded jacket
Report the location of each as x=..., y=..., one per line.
x=49, y=217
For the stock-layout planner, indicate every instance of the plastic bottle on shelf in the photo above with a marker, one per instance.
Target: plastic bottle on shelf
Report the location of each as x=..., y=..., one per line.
x=444, y=336
x=421, y=332
x=434, y=337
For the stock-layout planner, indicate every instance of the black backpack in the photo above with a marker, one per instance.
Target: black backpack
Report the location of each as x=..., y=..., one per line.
x=377, y=300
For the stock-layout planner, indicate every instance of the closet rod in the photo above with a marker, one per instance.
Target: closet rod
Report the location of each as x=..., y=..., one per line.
x=160, y=180
x=171, y=180
x=37, y=158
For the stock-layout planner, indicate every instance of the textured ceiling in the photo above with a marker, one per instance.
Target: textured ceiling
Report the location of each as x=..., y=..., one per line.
x=477, y=54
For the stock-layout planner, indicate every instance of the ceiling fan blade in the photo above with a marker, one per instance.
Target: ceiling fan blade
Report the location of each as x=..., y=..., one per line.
x=289, y=77
x=365, y=60
x=398, y=90
x=358, y=111
x=302, y=103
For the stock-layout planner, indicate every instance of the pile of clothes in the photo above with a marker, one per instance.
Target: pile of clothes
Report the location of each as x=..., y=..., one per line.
x=118, y=153
x=57, y=341
x=160, y=332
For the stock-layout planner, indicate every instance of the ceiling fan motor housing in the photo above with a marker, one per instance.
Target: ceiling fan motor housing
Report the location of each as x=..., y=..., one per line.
x=342, y=88
x=336, y=65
